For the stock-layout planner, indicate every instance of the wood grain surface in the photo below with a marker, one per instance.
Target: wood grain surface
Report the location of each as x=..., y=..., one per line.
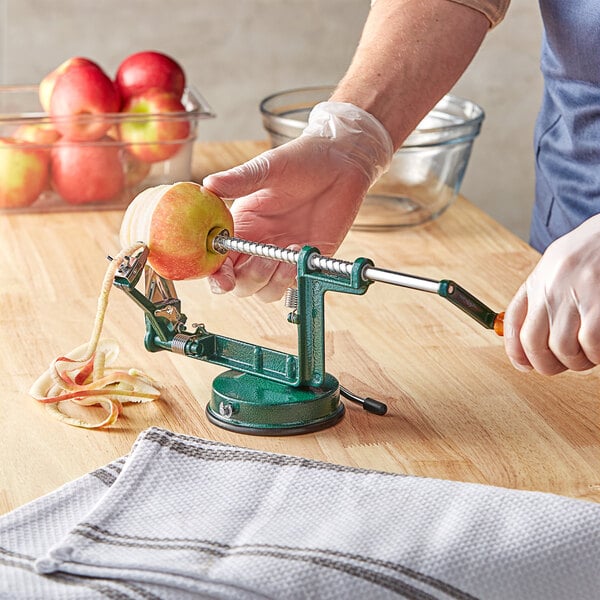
x=457, y=409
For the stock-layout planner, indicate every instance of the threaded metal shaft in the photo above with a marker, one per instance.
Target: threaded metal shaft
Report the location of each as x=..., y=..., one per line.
x=317, y=261
x=222, y=243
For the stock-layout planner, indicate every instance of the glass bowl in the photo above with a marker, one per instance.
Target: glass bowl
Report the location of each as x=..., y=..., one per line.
x=104, y=173
x=426, y=173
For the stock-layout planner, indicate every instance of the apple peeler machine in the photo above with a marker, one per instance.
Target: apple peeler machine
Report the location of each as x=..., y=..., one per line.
x=266, y=391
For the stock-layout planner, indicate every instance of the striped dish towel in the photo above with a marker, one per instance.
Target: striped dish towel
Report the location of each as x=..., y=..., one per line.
x=181, y=517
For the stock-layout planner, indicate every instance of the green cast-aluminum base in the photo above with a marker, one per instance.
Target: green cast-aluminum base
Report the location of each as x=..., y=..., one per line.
x=246, y=403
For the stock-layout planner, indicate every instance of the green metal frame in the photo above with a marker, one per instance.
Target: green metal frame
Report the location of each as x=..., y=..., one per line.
x=280, y=393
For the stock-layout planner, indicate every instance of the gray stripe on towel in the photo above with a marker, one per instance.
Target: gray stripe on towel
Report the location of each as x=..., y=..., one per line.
x=339, y=561
x=224, y=452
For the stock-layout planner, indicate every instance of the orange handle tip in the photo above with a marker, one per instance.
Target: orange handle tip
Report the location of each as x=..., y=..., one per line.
x=499, y=324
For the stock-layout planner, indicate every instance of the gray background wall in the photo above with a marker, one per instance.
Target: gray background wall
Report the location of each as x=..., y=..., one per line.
x=238, y=51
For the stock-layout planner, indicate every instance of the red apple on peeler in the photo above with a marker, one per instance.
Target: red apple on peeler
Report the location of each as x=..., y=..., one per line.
x=23, y=173
x=87, y=172
x=177, y=223
x=147, y=70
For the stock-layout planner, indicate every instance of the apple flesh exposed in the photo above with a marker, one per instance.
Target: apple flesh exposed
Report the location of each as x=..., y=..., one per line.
x=24, y=173
x=80, y=101
x=176, y=222
x=83, y=173
x=159, y=136
x=146, y=70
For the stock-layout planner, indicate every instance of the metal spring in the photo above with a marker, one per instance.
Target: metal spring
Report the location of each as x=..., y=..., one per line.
x=290, y=300
x=317, y=261
x=179, y=341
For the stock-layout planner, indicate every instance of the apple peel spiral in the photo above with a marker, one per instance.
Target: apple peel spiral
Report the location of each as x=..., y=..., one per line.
x=83, y=376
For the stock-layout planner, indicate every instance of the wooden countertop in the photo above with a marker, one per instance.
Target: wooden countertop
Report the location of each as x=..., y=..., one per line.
x=457, y=409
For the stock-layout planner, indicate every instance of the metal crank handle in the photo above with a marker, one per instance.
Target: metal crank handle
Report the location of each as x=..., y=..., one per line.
x=450, y=290
x=472, y=306
x=446, y=288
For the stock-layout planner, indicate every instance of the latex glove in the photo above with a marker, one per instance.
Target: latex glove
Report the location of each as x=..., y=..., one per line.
x=305, y=192
x=553, y=322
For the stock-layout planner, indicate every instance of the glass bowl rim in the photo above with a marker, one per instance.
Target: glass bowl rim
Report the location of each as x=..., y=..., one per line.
x=473, y=122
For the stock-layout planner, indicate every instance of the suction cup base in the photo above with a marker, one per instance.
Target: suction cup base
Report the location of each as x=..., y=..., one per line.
x=248, y=404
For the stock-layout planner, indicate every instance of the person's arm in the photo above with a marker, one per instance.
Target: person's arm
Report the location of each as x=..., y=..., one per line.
x=410, y=54
x=308, y=191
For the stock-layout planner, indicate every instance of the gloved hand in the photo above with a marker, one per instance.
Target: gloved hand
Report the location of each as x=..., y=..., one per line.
x=553, y=322
x=305, y=192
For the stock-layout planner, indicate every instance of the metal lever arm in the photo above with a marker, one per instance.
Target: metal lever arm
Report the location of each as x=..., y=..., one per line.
x=446, y=288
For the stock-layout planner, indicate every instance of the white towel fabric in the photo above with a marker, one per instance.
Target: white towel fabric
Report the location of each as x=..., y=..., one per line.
x=182, y=517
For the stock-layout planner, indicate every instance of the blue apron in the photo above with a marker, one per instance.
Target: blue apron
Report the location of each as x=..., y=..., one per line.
x=567, y=133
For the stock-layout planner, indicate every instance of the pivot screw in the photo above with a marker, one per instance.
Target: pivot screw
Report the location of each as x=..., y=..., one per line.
x=225, y=410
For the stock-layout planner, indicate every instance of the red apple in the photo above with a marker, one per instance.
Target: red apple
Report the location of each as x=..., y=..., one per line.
x=42, y=134
x=136, y=170
x=87, y=172
x=155, y=132
x=47, y=84
x=177, y=223
x=80, y=101
x=23, y=173
x=143, y=71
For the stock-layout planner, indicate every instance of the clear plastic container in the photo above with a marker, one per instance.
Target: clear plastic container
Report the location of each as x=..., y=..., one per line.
x=426, y=172
x=97, y=174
